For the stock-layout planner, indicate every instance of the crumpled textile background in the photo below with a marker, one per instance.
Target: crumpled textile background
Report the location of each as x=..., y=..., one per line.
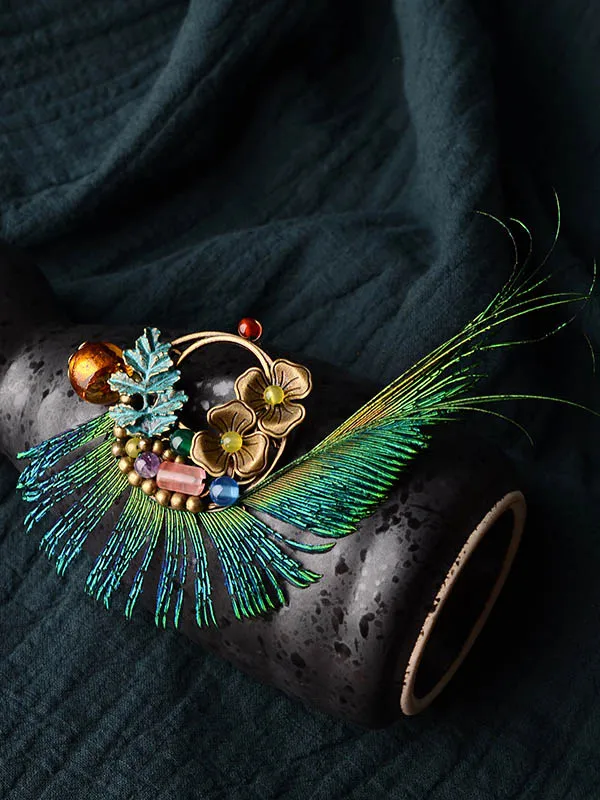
x=316, y=165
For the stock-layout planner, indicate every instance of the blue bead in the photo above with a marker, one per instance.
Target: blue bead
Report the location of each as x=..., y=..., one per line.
x=224, y=491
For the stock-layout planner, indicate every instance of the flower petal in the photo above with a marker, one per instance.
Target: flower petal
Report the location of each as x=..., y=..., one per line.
x=252, y=457
x=250, y=387
x=206, y=451
x=279, y=420
x=294, y=379
x=232, y=416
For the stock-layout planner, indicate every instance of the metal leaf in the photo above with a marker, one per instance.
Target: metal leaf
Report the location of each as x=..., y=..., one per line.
x=153, y=382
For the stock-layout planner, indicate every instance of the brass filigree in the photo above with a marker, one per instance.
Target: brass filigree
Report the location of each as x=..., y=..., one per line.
x=257, y=390
x=234, y=447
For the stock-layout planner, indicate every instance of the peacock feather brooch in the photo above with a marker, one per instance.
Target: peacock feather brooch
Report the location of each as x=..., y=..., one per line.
x=183, y=493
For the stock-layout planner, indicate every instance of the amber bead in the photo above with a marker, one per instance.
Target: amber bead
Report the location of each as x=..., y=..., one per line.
x=91, y=366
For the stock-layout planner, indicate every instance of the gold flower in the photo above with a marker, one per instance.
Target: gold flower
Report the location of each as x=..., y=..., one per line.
x=274, y=398
x=233, y=444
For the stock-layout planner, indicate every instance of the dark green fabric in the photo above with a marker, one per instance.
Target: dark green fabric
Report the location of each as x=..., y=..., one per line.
x=317, y=165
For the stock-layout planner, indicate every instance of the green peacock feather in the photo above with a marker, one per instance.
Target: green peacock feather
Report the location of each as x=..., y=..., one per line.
x=326, y=492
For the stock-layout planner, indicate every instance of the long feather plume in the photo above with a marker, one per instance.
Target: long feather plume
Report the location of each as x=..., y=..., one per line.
x=326, y=492
x=322, y=493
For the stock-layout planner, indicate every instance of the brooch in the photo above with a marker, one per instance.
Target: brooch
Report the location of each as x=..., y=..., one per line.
x=175, y=466
x=182, y=494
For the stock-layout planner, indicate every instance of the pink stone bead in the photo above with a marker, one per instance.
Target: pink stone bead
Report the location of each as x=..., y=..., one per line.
x=181, y=478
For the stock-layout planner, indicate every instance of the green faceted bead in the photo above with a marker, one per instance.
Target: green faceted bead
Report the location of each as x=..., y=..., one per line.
x=181, y=441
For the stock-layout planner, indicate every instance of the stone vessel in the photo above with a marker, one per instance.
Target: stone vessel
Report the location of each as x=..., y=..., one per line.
x=401, y=600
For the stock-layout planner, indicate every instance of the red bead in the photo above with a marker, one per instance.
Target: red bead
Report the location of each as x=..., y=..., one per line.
x=250, y=328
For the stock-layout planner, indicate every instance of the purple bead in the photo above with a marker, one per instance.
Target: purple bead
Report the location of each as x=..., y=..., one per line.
x=147, y=464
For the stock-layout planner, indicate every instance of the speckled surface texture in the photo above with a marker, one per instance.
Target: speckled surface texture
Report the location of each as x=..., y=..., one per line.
x=343, y=644
x=186, y=164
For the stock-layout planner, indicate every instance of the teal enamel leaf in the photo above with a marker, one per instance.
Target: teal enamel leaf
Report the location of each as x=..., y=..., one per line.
x=153, y=381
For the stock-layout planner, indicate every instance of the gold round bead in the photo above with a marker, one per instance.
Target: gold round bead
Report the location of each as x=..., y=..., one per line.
x=168, y=454
x=158, y=447
x=145, y=445
x=180, y=460
x=117, y=450
x=134, y=478
x=162, y=497
x=119, y=432
x=149, y=487
x=193, y=504
x=125, y=399
x=178, y=500
x=126, y=464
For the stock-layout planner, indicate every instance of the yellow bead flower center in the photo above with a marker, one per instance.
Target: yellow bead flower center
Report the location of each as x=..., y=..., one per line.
x=274, y=395
x=231, y=441
x=132, y=448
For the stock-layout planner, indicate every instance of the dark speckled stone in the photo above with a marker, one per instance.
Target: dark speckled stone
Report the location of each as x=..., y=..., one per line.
x=343, y=644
